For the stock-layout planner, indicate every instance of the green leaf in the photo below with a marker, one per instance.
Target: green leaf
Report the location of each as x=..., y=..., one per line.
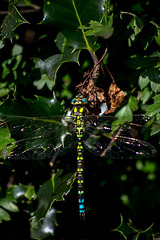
x=44, y=81
x=5, y=139
x=11, y=22
x=154, y=76
x=104, y=27
x=51, y=65
x=136, y=24
x=133, y=103
x=4, y=215
x=44, y=228
x=155, y=129
x=1, y=44
x=146, y=95
x=4, y=89
x=124, y=229
x=139, y=62
x=17, y=191
x=143, y=80
x=53, y=190
x=129, y=231
x=69, y=15
x=98, y=29
x=125, y=113
x=8, y=205
x=154, y=108
x=157, y=38
x=151, y=75
x=40, y=106
x=17, y=50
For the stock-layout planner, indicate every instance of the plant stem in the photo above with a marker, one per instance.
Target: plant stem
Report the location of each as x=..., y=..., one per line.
x=94, y=57
x=92, y=53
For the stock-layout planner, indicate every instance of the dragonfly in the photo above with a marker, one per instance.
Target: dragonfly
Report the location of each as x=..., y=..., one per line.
x=31, y=138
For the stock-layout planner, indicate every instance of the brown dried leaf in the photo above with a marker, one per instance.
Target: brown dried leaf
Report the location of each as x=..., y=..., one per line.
x=115, y=99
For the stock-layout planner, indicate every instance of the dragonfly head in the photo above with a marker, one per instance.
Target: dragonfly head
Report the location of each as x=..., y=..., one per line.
x=79, y=100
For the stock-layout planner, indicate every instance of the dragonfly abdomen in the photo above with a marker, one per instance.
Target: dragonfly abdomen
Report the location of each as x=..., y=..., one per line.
x=80, y=179
x=77, y=113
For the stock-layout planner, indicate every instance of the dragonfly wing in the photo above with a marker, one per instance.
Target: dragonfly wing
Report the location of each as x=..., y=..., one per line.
x=117, y=141
x=35, y=138
x=121, y=148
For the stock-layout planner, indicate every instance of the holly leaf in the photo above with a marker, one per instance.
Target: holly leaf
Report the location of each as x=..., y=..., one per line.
x=104, y=27
x=55, y=189
x=69, y=15
x=11, y=22
x=51, y=65
x=129, y=231
x=40, y=106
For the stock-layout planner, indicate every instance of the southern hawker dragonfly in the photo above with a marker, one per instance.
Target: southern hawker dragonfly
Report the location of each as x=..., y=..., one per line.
x=40, y=138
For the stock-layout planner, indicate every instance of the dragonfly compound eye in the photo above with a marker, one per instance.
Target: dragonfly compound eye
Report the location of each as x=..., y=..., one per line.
x=84, y=100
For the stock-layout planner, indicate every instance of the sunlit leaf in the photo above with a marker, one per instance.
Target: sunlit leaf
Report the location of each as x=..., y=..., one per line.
x=126, y=113
x=151, y=75
x=44, y=81
x=44, y=228
x=157, y=38
x=17, y=191
x=146, y=94
x=143, y=80
x=133, y=103
x=4, y=215
x=5, y=139
x=8, y=205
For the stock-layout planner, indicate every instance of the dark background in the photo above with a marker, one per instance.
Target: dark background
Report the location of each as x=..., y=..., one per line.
x=107, y=182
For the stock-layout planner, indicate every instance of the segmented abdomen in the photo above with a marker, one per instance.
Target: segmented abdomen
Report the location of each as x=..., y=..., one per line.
x=80, y=179
x=79, y=126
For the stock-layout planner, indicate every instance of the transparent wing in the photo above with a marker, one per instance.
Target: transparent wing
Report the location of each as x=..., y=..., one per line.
x=35, y=138
x=111, y=137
